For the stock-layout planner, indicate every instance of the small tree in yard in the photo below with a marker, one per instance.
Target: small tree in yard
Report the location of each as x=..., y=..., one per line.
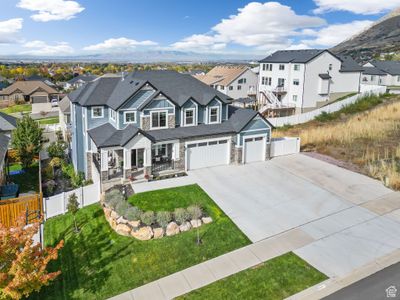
x=73, y=207
x=23, y=265
x=195, y=213
x=57, y=149
x=27, y=140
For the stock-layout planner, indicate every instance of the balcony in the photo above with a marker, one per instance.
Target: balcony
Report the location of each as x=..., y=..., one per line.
x=280, y=89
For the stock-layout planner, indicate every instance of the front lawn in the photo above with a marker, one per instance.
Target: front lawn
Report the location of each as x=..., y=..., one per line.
x=17, y=108
x=47, y=121
x=98, y=263
x=277, y=278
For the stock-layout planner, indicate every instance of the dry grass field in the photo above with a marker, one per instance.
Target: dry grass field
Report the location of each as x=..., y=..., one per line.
x=369, y=139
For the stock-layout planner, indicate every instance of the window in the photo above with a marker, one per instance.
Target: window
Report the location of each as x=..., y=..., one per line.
x=372, y=77
x=281, y=82
x=242, y=81
x=160, y=150
x=330, y=67
x=231, y=88
x=296, y=67
x=113, y=115
x=189, y=116
x=294, y=98
x=281, y=67
x=214, y=115
x=158, y=119
x=266, y=80
x=97, y=112
x=239, y=87
x=296, y=82
x=398, y=78
x=221, y=87
x=129, y=117
x=267, y=67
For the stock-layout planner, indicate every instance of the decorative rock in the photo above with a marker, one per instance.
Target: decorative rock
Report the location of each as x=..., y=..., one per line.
x=172, y=229
x=123, y=229
x=107, y=212
x=185, y=226
x=143, y=234
x=114, y=215
x=206, y=220
x=196, y=223
x=134, y=224
x=122, y=220
x=113, y=223
x=158, y=232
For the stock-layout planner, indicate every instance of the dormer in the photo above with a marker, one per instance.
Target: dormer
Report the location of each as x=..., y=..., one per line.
x=213, y=112
x=189, y=113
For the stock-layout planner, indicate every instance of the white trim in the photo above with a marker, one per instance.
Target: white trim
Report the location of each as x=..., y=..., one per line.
x=218, y=114
x=97, y=117
x=110, y=110
x=252, y=137
x=127, y=112
x=166, y=119
x=194, y=116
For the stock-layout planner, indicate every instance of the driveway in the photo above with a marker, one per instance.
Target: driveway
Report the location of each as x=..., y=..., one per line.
x=341, y=210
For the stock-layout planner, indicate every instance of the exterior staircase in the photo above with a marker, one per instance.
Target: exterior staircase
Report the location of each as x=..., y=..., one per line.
x=269, y=100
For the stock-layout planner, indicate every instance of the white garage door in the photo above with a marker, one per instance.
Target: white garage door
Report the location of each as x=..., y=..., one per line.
x=207, y=154
x=254, y=149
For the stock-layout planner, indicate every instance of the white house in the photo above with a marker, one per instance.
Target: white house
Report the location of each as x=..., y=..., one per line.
x=295, y=81
x=234, y=81
x=78, y=81
x=381, y=73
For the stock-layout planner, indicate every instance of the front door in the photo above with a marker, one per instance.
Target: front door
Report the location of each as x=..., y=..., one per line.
x=137, y=158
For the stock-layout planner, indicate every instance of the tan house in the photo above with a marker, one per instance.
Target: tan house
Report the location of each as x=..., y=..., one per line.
x=29, y=91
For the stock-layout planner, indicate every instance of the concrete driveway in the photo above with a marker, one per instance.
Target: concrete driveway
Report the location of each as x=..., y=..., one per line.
x=341, y=210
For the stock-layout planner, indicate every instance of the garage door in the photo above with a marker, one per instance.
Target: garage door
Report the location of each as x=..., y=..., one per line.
x=254, y=149
x=207, y=154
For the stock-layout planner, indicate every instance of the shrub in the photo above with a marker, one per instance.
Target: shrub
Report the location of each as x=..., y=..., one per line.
x=147, y=217
x=181, y=215
x=113, y=198
x=78, y=179
x=133, y=213
x=57, y=149
x=163, y=218
x=68, y=170
x=122, y=207
x=194, y=212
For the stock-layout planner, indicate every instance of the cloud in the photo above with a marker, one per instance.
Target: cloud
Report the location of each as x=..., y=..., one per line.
x=118, y=44
x=40, y=48
x=8, y=29
x=256, y=24
x=51, y=10
x=364, y=7
x=334, y=34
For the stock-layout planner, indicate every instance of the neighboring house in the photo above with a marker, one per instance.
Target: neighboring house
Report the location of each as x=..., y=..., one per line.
x=42, y=79
x=234, y=81
x=64, y=112
x=7, y=124
x=302, y=80
x=78, y=81
x=155, y=122
x=35, y=92
x=4, y=142
x=245, y=102
x=381, y=73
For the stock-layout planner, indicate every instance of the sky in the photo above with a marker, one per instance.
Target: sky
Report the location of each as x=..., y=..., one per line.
x=82, y=27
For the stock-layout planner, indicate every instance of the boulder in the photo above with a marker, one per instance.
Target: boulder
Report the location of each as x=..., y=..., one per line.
x=158, y=232
x=143, y=233
x=123, y=229
x=206, y=220
x=185, y=226
x=134, y=224
x=107, y=212
x=114, y=215
x=112, y=223
x=196, y=223
x=122, y=220
x=172, y=229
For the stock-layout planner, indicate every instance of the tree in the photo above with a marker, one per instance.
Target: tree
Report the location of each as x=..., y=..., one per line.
x=23, y=265
x=73, y=207
x=57, y=149
x=27, y=140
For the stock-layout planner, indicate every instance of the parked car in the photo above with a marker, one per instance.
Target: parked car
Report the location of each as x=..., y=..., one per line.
x=54, y=102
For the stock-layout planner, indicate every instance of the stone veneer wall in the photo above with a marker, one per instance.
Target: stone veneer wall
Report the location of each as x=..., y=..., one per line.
x=238, y=155
x=268, y=152
x=89, y=159
x=145, y=122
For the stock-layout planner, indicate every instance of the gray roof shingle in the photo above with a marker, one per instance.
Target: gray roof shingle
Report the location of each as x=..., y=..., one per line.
x=373, y=71
x=85, y=78
x=389, y=66
x=349, y=64
x=325, y=76
x=7, y=122
x=294, y=56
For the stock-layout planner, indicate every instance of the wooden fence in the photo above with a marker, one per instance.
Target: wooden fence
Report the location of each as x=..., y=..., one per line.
x=31, y=206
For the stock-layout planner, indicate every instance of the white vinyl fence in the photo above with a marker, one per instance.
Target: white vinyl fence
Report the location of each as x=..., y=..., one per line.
x=285, y=146
x=366, y=90
x=57, y=204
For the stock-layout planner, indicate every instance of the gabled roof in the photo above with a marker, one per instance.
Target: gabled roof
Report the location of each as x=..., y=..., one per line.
x=28, y=87
x=222, y=75
x=349, y=64
x=389, y=66
x=7, y=122
x=64, y=105
x=373, y=71
x=84, y=78
x=292, y=56
x=115, y=91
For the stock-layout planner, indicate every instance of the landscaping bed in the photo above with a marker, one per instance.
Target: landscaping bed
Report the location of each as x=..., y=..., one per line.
x=277, y=278
x=97, y=263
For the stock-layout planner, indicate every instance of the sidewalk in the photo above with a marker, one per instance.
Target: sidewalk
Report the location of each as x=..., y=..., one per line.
x=217, y=268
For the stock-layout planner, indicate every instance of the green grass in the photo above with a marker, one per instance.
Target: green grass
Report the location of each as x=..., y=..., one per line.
x=15, y=167
x=277, y=278
x=98, y=263
x=52, y=120
x=28, y=181
x=17, y=108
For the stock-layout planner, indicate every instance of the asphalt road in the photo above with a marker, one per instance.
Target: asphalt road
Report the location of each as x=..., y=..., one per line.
x=372, y=287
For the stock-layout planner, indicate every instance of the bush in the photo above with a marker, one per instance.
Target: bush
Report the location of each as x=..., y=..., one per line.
x=163, y=218
x=194, y=212
x=113, y=198
x=133, y=213
x=147, y=217
x=122, y=207
x=57, y=149
x=68, y=170
x=78, y=179
x=181, y=215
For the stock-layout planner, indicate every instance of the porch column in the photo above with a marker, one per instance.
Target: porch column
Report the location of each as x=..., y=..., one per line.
x=147, y=161
x=127, y=163
x=104, y=165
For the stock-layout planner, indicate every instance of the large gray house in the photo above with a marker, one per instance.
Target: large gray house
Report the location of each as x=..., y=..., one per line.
x=154, y=122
